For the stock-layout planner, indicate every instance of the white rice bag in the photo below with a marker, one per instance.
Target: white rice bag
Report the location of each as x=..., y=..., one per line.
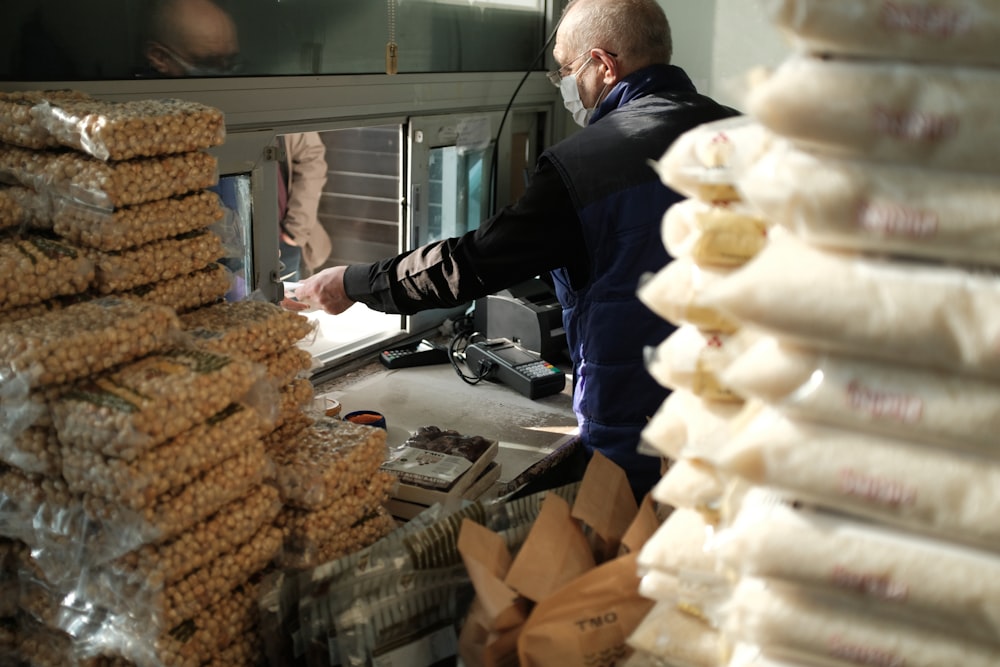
x=937, y=491
x=858, y=204
x=916, y=313
x=952, y=31
x=934, y=116
x=934, y=579
x=897, y=399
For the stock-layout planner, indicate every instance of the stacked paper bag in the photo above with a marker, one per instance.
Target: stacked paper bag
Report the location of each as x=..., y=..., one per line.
x=569, y=595
x=867, y=536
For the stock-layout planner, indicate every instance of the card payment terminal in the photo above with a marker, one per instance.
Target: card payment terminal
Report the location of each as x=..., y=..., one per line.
x=502, y=360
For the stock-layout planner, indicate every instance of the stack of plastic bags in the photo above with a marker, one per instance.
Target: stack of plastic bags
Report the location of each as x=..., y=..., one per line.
x=710, y=234
x=139, y=414
x=864, y=531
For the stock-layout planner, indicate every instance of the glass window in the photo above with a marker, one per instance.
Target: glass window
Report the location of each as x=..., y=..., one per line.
x=70, y=40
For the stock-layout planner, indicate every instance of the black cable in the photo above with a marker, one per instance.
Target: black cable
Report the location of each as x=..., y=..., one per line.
x=465, y=336
x=503, y=119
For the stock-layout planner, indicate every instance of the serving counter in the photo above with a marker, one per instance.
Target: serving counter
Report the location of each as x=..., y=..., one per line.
x=533, y=435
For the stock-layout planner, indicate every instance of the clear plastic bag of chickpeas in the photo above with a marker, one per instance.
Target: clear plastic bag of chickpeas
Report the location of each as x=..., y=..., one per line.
x=256, y=329
x=128, y=411
x=107, y=185
x=35, y=268
x=325, y=461
x=83, y=339
x=155, y=261
x=139, y=483
x=131, y=226
x=135, y=128
x=203, y=287
x=19, y=127
x=355, y=521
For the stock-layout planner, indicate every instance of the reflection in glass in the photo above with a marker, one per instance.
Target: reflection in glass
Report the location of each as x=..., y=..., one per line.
x=56, y=40
x=236, y=230
x=456, y=202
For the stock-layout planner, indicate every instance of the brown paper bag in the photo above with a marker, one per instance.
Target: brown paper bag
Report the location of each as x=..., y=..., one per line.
x=605, y=503
x=481, y=647
x=555, y=552
x=588, y=621
x=487, y=561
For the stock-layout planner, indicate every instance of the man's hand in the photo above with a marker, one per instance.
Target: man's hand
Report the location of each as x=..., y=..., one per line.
x=323, y=290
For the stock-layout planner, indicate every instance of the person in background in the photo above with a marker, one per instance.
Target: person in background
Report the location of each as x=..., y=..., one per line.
x=590, y=215
x=305, y=244
x=197, y=38
x=191, y=38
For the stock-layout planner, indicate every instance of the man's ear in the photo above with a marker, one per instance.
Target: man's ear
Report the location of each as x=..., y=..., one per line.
x=158, y=58
x=612, y=71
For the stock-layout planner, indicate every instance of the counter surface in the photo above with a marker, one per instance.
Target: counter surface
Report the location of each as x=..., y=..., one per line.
x=533, y=434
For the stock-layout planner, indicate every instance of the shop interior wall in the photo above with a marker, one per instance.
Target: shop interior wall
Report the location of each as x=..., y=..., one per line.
x=717, y=41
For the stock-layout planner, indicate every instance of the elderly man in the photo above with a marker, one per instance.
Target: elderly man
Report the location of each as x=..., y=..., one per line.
x=590, y=215
x=192, y=38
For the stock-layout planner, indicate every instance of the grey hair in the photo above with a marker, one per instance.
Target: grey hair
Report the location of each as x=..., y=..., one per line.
x=636, y=29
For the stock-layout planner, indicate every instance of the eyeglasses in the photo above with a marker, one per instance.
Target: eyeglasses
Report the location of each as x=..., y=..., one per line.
x=555, y=77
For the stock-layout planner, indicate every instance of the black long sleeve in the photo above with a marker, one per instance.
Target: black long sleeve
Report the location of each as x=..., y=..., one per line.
x=538, y=233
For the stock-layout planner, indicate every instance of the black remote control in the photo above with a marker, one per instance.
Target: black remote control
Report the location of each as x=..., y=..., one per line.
x=423, y=353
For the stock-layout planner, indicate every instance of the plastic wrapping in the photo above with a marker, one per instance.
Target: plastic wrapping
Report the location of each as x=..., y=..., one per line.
x=292, y=400
x=19, y=127
x=713, y=234
x=32, y=310
x=137, y=225
x=857, y=204
x=798, y=621
x=19, y=206
x=181, y=508
x=197, y=289
x=35, y=268
x=936, y=116
x=932, y=579
x=686, y=425
x=676, y=293
x=287, y=366
x=426, y=542
x=411, y=620
x=256, y=329
x=362, y=533
x=306, y=532
x=694, y=484
x=126, y=412
x=327, y=460
x=678, y=545
x=954, y=31
x=154, y=262
x=218, y=627
x=937, y=491
x=922, y=314
x=35, y=450
x=108, y=185
x=680, y=639
x=85, y=338
x=153, y=566
x=165, y=607
x=136, y=128
x=896, y=399
x=703, y=163
x=141, y=482
x=693, y=359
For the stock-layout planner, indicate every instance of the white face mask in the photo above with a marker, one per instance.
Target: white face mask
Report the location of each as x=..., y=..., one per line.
x=570, y=89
